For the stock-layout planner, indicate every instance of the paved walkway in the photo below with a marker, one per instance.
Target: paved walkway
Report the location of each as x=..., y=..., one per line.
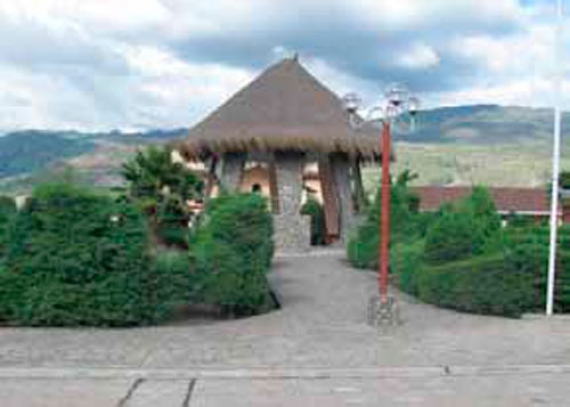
x=317, y=350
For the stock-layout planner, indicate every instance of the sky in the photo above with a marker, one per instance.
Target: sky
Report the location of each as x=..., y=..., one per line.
x=97, y=65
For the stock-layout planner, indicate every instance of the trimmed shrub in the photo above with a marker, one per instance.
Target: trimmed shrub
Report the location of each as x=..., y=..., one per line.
x=78, y=258
x=407, y=224
x=485, y=285
x=233, y=252
x=315, y=210
x=7, y=212
x=173, y=269
x=454, y=236
x=172, y=222
x=406, y=262
x=481, y=206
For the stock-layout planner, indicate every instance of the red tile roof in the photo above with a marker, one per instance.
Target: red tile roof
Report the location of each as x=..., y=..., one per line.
x=519, y=200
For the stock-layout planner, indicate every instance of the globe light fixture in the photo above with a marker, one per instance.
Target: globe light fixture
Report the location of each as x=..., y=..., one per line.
x=351, y=103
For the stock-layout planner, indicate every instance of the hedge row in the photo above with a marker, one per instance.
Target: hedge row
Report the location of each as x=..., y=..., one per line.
x=78, y=258
x=7, y=212
x=465, y=261
x=508, y=282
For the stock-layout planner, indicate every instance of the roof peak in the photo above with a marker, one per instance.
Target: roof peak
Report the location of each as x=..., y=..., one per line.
x=284, y=108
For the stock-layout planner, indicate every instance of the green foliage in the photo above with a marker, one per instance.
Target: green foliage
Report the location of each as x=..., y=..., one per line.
x=406, y=222
x=460, y=258
x=485, y=284
x=233, y=252
x=482, y=208
x=463, y=230
x=178, y=281
x=78, y=258
x=565, y=179
x=453, y=236
x=315, y=210
x=7, y=213
x=153, y=171
x=172, y=221
x=406, y=261
x=162, y=188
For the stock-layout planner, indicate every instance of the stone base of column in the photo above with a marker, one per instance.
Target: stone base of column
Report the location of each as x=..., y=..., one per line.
x=383, y=313
x=292, y=234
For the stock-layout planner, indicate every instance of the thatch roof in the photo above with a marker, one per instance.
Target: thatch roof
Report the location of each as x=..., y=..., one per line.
x=285, y=108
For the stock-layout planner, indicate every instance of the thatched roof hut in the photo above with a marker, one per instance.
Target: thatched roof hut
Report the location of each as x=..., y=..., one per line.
x=284, y=109
x=269, y=137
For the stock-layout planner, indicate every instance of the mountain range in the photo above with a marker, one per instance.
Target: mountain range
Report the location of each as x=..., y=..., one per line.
x=29, y=156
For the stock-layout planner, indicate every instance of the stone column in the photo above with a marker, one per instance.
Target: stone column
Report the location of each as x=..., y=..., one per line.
x=340, y=165
x=292, y=230
x=232, y=168
x=359, y=192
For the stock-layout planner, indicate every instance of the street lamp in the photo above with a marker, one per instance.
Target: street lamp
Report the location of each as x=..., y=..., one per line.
x=398, y=101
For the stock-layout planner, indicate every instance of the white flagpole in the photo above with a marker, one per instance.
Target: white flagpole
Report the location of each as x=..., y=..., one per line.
x=555, y=166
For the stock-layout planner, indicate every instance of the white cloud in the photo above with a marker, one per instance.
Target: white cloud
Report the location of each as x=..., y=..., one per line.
x=418, y=56
x=101, y=64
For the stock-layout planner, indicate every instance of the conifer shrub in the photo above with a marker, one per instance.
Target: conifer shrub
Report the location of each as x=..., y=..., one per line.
x=485, y=285
x=232, y=253
x=78, y=258
x=7, y=213
x=315, y=210
x=407, y=224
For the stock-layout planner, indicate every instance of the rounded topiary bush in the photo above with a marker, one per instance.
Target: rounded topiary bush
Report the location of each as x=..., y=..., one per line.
x=232, y=254
x=79, y=258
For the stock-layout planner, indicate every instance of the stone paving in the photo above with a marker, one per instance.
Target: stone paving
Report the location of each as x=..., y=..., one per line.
x=316, y=350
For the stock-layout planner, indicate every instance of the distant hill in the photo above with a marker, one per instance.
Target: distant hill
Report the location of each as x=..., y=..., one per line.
x=451, y=145
x=484, y=125
x=24, y=152
x=29, y=151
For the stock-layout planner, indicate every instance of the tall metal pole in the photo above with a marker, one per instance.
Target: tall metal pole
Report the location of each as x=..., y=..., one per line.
x=384, y=251
x=555, y=168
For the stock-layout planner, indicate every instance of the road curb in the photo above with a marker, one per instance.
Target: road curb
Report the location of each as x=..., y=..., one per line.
x=278, y=373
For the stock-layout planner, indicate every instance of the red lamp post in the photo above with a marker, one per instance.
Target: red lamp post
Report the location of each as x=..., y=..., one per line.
x=398, y=102
x=384, y=249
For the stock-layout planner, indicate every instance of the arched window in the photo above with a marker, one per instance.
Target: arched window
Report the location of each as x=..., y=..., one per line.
x=256, y=189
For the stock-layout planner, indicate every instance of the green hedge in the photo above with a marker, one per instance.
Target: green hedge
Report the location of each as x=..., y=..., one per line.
x=78, y=258
x=232, y=252
x=510, y=281
x=315, y=210
x=406, y=261
x=7, y=213
x=485, y=285
x=178, y=281
x=406, y=222
x=453, y=236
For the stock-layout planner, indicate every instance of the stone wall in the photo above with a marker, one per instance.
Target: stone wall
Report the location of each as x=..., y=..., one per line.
x=292, y=230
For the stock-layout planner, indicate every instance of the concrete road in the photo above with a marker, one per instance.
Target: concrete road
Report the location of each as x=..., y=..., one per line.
x=530, y=386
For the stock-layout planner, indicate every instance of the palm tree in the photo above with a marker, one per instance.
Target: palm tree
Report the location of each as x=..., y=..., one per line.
x=162, y=187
